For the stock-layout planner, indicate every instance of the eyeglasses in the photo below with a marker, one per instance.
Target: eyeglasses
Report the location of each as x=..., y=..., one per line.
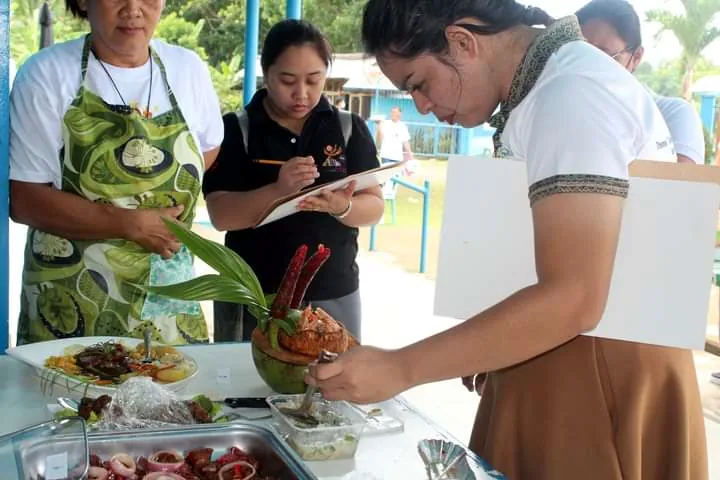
x=620, y=52
x=629, y=50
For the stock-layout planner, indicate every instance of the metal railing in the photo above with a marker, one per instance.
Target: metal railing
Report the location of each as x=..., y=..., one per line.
x=434, y=139
x=425, y=192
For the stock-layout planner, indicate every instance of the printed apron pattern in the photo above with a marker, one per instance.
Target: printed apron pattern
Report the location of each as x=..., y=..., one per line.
x=82, y=288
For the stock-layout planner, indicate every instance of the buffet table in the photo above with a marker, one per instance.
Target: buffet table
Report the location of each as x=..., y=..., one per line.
x=227, y=370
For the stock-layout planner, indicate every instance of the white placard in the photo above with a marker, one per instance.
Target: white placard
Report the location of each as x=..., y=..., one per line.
x=56, y=466
x=661, y=281
x=223, y=376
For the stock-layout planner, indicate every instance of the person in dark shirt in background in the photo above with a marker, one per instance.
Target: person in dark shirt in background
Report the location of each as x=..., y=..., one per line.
x=291, y=120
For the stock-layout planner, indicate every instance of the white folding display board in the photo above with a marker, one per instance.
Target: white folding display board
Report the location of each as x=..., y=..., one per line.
x=663, y=269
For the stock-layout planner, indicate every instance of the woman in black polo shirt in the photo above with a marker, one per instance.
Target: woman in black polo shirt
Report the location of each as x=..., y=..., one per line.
x=291, y=120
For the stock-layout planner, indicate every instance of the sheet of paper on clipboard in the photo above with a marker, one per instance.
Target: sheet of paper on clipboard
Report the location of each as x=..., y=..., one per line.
x=287, y=205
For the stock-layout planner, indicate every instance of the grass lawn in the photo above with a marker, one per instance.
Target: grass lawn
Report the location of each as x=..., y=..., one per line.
x=402, y=239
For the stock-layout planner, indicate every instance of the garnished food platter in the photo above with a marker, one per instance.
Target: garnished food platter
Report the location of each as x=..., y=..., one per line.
x=243, y=452
x=93, y=366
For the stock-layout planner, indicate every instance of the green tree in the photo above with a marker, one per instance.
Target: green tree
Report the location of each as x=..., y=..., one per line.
x=694, y=30
x=176, y=30
x=340, y=20
x=666, y=79
x=223, y=35
x=25, y=29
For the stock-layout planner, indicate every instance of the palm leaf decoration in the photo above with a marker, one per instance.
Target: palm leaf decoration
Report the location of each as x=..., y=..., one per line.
x=235, y=282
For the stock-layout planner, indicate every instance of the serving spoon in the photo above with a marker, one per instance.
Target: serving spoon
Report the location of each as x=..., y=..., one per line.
x=302, y=413
x=66, y=402
x=148, y=356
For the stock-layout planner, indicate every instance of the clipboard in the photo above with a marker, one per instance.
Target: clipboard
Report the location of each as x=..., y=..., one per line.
x=660, y=288
x=287, y=205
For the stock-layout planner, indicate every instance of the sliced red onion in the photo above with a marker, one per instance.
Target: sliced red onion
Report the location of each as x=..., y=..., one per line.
x=231, y=466
x=162, y=476
x=154, y=465
x=97, y=473
x=122, y=464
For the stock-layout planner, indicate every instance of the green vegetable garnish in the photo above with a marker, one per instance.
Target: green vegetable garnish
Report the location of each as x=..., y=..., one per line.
x=208, y=405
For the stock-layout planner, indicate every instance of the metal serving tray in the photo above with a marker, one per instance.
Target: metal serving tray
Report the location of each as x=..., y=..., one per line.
x=276, y=459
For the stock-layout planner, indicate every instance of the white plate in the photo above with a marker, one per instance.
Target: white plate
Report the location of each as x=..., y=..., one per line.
x=58, y=384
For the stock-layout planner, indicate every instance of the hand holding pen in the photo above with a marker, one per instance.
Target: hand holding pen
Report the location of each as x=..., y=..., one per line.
x=296, y=174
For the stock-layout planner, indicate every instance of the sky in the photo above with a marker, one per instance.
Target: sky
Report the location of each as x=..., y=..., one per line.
x=655, y=50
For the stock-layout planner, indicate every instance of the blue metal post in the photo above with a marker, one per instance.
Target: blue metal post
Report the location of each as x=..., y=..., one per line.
x=372, y=238
x=294, y=9
x=425, y=224
x=252, y=31
x=707, y=111
x=466, y=136
x=4, y=192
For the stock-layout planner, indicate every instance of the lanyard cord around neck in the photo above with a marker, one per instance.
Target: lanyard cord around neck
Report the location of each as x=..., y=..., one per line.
x=102, y=64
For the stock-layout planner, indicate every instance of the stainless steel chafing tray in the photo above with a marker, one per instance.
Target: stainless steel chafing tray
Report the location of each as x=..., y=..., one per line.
x=276, y=459
x=58, y=449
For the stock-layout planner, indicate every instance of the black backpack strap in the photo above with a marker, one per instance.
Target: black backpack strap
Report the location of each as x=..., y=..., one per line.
x=345, y=118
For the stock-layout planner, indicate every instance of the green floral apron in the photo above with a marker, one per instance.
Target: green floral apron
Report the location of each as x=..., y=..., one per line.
x=84, y=288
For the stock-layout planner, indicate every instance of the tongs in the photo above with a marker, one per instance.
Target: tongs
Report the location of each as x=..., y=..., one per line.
x=302, y=414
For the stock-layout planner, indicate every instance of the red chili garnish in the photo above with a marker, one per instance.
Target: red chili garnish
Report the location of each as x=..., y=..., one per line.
x=285, y=292
x=308, y=274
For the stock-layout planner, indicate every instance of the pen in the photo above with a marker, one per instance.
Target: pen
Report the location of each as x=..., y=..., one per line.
x=269, y=162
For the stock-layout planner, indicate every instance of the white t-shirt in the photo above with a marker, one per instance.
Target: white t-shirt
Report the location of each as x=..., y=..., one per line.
x=47, y=83
x=394, y=135
x=685, y=126
x=11, y=75
x=583, y=123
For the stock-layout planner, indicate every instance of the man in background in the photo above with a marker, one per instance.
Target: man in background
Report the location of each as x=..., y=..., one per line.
x=340, y=103
x=613, y=26
x=394, y=138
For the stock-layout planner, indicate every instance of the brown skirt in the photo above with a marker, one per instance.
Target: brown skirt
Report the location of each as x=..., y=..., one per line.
x=595, y=409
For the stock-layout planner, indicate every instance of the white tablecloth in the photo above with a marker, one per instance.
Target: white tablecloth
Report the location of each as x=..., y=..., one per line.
x=390, y=456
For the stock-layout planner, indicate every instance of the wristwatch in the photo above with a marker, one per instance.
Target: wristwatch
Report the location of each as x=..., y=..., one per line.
x=345, y=212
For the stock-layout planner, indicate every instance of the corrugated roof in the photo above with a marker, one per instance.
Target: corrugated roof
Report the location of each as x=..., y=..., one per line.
x=707, y=85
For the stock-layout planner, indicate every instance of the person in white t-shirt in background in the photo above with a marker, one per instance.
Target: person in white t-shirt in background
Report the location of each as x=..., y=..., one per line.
x=394, y=138
x=614, y=27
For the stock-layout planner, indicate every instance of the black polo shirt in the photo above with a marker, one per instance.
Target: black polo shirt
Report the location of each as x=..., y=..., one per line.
x=268, y=249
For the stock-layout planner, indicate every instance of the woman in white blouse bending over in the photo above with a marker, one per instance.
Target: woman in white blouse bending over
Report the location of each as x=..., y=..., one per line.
x=110, y=133
x=557, y=404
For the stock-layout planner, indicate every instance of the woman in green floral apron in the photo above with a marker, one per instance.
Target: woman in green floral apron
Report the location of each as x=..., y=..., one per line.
x=99, y=233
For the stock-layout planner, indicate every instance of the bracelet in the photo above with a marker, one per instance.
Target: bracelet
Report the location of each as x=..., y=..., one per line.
x=345, y=212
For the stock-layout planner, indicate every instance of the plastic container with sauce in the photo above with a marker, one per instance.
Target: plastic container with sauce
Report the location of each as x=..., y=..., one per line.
x=336, y=437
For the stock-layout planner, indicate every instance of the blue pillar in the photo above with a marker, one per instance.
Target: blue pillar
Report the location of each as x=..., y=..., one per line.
x=425, y=226
x=465, y=141
x=707, y=111
x=252, y=31
x=294, y=9
x=4, y=194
